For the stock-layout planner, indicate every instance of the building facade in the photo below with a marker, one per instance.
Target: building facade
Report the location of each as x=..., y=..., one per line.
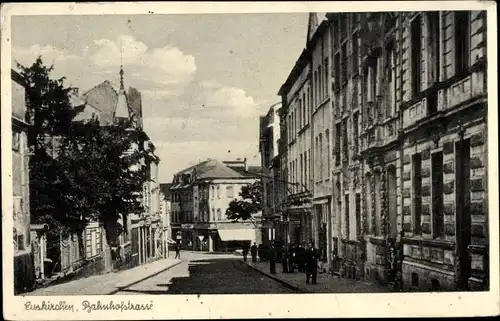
x=140, y=237
x=201, y=195
x=24, y=270
x=269, y=128
x=403, y=97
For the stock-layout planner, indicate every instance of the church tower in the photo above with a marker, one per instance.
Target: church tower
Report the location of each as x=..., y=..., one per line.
x=122, y=115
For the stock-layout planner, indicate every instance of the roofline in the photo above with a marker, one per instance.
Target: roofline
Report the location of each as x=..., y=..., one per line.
x=16, y=76
x=294, y=74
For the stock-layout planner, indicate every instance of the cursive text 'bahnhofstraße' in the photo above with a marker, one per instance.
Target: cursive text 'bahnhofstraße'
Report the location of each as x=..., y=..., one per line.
x=115, y=306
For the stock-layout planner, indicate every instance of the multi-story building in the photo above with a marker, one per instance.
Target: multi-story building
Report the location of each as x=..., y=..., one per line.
x=270, y=177
x=200, y=197
x=408, y=144
x=307, y=113
x=24, y=271
x=141, y=230
x=166, y=213
x=414, y=101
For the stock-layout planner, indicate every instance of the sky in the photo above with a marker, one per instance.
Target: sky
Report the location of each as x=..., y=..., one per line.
x=205, y=79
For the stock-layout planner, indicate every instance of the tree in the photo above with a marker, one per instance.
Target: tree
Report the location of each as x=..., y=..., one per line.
x=79, y=172
x=249, y=203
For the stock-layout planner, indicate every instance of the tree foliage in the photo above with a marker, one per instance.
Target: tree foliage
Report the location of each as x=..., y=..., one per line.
x=79, y=172
x=249, y=203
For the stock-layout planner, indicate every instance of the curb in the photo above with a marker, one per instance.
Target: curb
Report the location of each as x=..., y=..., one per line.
x=286, y=284
x=144, y=278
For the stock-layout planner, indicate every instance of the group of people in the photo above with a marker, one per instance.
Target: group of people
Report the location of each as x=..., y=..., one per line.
x=296, y=256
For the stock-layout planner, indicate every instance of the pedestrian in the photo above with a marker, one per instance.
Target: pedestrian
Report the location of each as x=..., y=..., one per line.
x=178, y=251
x=284, y=260
x=290, y=258
x=253, y=252
x=245, y=251
x=272, y=259
x=312, y=256
x=260, y=252
x=301, y=258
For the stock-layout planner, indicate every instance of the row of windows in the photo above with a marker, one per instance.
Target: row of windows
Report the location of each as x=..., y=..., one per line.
x=300, y=114
x=300, y=171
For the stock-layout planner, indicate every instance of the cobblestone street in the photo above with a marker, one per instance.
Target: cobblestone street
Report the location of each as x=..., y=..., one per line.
x=208, y=274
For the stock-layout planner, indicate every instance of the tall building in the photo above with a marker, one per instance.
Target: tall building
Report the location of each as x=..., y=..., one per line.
x=24, y=270
x=140, y=238
x=269, y=129
x=200, y=197
x=166, y=216
x=406, y=163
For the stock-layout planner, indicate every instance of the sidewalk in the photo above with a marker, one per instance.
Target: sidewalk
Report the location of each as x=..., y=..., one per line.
x=325, y=283
x=109, y=283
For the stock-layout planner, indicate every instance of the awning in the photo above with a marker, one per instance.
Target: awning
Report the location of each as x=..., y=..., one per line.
x=237, y=235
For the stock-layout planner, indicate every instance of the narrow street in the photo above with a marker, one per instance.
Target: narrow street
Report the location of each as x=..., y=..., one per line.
x=202, y=273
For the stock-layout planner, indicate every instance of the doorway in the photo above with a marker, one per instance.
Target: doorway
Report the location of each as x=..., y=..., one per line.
x=392, y=202
x=463, y=219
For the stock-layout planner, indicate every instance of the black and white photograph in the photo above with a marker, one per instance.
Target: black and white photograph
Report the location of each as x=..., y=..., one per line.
x=195, y=151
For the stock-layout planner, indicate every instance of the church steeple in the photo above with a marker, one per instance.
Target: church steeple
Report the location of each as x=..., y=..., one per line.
x=122, y=110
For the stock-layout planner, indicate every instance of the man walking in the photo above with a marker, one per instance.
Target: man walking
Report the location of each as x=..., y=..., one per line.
x=312, y=256
x=291, y=257
x=272, y=259
x=301, y=258
x=178, y=251
x=245, y=251
x=253, y=252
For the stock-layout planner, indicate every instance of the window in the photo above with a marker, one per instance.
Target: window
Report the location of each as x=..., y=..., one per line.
x=213, y=192
x=218, y=191
x=377, y=214
x=16, y=140
x=344, y=63
x=437, y=194
x=343, y=25
x=315, y=87
x=355, y=54
x=337, y=70
x=369, y=205
x=416, y=53
x=346, y=217
x=320, y=84
x=434, y=46
x=337, y=144
x=299, y=107
x=305, y=169
x=355, y=124
x=219, y=215
x=373, y=79
x=230, y=191
x=213, y=214
x=462, y=36
x=327, y=154
x=391, y=82
x=321, y=156
x=417, y=194
x=326, y=77
x=93, y=239
x=304, y=109
x=345, y=149
x=358, y=214
x=301, y=168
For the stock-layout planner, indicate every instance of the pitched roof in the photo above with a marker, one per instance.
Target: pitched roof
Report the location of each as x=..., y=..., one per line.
x=105, y=98
x=212, y=169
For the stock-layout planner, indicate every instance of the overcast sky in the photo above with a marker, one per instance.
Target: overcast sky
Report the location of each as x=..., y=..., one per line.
x=205, y=79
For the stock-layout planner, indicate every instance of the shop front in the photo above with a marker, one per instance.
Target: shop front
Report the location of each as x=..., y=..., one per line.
x=233, y=236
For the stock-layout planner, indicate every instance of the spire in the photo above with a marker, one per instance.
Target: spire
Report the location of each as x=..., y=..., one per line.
x=122, y=110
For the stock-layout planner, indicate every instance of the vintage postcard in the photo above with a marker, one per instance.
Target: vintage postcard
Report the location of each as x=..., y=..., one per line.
x=219, y=160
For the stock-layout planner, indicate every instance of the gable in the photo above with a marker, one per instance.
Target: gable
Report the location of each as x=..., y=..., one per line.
x=105, y=98
x=315, y=19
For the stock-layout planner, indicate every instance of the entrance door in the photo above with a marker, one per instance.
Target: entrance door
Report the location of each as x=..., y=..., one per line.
x=392, y=200
x=463, y=219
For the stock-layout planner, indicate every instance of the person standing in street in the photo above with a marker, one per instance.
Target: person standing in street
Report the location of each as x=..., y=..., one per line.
x=312, y=256
x=178, y=251
x=301, y=258
x=245, y=251
x=284, y=259
x=272, y=259
x=253, y=252
x=290, y=259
